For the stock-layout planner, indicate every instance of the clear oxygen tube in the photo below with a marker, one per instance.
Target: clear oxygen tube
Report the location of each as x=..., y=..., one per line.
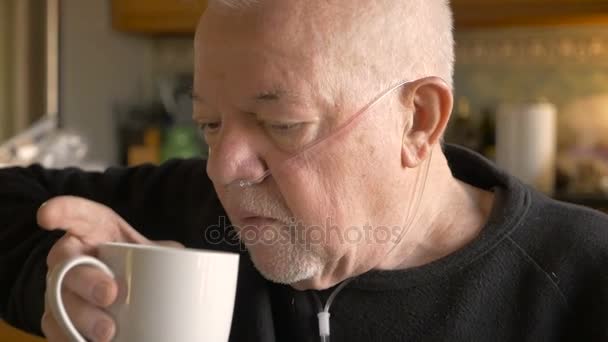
x=302, y=153
x=305, y=153
x=323, y=314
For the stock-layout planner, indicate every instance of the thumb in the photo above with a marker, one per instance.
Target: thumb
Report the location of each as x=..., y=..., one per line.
x=89, y=221
x=169, y=243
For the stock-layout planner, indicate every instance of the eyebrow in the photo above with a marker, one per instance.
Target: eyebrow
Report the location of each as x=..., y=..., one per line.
x=262, y=97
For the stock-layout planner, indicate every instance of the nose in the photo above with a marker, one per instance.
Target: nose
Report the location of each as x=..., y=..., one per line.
x=235, y=156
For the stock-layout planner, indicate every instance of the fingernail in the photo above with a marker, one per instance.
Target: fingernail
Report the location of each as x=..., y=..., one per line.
x=43, y=204
x=100, y=293
x=103, y=330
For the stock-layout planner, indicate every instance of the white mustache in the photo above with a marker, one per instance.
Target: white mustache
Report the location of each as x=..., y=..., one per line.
x=262, y=203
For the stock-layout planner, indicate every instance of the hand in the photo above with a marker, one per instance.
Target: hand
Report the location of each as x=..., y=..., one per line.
x=86, y=291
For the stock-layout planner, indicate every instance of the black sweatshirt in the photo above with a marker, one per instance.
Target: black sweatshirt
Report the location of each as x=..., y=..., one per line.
x=537, y=272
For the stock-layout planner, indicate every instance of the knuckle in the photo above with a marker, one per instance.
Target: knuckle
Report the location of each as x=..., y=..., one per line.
x=52, y=257
x=67, y=247
x=59, y=251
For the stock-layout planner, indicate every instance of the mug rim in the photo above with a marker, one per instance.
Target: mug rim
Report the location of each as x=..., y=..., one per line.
x=166, y=249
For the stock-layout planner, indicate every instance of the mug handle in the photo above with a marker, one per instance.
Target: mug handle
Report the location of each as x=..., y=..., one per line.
x=55, y=299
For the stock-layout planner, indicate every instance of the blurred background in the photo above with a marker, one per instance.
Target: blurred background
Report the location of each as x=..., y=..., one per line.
x=96, y=83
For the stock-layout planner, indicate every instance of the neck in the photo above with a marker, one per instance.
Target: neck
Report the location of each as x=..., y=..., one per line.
x=443, y=224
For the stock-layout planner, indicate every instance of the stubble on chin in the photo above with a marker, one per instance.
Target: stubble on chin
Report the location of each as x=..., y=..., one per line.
x=286, y=263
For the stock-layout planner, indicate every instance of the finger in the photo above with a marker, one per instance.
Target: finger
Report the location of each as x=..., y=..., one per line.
x=88, y=282
x=67, y=247
x=51, y=329
x=92, y=285
x=90, y=321
x=169, y=243
x=91, y=222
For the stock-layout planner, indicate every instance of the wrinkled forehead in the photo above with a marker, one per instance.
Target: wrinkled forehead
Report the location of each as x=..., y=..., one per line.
x=253, y=48
x=294, y=43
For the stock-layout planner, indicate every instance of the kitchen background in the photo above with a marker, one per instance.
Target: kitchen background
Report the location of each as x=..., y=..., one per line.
x=114, y=75
x=95, y=83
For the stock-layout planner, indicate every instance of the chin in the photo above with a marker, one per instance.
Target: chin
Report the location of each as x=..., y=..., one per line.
x=286, y=264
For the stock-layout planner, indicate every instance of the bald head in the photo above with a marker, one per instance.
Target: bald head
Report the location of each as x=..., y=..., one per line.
x=358, y=42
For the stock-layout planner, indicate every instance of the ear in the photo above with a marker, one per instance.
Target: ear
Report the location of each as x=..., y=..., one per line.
x=432, y=101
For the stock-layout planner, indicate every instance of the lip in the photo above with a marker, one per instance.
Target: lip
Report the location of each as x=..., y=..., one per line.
x=256, y=221
x=245, y=217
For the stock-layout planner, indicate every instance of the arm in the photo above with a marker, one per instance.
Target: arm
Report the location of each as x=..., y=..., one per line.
x=162, y=203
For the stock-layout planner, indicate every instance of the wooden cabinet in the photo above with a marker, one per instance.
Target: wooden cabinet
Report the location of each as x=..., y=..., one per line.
x=8, y=333
x=181, y=16
x=157, y=16
x=488, y=13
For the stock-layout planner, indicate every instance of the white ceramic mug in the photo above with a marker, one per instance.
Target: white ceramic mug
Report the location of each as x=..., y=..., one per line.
x=164, y=294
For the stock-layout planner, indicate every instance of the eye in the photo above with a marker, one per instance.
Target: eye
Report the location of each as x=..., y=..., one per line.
x=288, y=136
x=208, y=130
x=283, y=127
x=209, y=127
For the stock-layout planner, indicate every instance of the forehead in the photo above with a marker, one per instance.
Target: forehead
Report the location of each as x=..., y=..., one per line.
x=254, y=43
x=242, y=63
x=275, y=46
x=286, y=23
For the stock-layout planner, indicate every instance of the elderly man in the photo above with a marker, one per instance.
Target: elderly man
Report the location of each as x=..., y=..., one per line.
x=324, y=121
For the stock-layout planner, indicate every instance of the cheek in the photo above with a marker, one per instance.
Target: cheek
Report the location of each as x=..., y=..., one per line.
x=345, y=182
x=326, y=189
x=309, y=199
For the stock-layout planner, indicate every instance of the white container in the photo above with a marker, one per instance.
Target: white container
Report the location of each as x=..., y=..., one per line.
x=526, y=142
x=165, y=294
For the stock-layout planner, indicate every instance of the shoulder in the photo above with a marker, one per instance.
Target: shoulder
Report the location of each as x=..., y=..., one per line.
x=576, y=225
x=552, y=229
x=570, y=244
